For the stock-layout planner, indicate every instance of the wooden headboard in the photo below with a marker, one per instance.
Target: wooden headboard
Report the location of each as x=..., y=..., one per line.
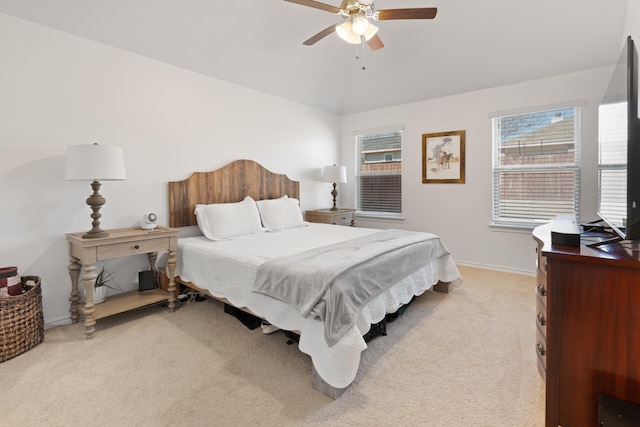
x=229, y=184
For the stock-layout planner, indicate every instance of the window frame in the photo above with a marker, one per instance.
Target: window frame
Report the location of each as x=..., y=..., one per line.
x=358, y=139
x=498, y=216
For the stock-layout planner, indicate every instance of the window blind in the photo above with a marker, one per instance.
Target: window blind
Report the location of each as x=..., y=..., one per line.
x=536, y=172
x=379, y=185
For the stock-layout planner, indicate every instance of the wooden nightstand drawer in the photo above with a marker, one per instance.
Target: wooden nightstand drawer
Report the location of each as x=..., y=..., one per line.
x=344, y=219
x=326, y=216
x=117, y=250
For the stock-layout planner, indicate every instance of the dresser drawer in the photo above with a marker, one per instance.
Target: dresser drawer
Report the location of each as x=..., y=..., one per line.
x=541, y=316
x=541, y=348
x=541, y=287
x=541, y=261
x=117, y=250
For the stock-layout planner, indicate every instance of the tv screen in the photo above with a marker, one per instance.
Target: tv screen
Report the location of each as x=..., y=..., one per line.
x=619, y=148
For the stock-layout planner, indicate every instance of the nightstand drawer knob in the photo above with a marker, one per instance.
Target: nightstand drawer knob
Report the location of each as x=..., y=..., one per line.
x=136, y=247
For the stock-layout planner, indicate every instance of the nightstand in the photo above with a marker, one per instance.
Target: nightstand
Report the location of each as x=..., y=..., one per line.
x=84, y=253
x=327, y=216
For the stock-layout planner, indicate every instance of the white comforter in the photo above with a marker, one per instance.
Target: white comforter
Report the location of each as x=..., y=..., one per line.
x=227, y=269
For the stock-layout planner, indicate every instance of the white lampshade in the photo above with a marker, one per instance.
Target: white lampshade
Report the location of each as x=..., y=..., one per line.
x=335, y=174
x=94, y=162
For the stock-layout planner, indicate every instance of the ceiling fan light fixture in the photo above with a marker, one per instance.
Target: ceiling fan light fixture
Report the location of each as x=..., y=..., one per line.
x=359, y=25
x=344, y=30
x=358, y=16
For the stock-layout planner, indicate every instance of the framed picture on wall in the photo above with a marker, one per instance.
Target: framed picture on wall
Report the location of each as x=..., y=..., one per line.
x=443, y=157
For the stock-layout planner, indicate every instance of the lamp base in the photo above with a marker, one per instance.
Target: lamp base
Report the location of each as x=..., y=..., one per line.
x=334, y=193
x=95, y=201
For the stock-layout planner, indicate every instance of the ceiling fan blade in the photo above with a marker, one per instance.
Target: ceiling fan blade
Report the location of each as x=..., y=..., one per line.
x=375, y=43
x=417, y=13
x=317, y=5
x=322, y=34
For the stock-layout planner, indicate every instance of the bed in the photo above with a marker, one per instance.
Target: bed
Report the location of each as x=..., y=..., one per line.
x=249, y=266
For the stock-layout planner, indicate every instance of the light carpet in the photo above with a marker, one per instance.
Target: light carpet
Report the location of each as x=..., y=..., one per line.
x=465, y=358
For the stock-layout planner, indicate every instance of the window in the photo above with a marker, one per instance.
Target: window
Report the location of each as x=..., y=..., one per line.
x=379, y=183
x=536, y=167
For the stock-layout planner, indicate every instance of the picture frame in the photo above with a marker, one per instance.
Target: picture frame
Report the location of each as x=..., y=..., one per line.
x=443, y=157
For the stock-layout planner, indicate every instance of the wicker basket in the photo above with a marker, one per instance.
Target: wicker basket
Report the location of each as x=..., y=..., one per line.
x=21, y=320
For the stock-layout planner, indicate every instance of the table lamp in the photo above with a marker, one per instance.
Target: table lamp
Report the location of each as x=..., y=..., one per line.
x=95, y=163
x=334, y=174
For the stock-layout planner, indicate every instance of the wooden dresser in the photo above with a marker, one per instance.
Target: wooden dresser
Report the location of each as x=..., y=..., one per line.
x=588, y=327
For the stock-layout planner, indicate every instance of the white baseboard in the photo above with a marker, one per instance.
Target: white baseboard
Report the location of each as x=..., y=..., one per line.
x=52, y=323
x=496, y=268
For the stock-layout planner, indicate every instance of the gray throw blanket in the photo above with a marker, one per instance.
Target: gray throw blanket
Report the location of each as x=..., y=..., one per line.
x=335, y=282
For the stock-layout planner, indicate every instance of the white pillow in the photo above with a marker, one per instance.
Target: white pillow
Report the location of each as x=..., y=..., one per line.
x=278, y=214
x=221, y=221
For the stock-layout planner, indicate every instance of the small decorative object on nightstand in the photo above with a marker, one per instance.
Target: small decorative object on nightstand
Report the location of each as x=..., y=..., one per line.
x=336, y=217
x=149, y=221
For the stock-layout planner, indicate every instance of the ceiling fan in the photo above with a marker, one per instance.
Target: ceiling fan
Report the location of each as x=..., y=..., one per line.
x=357, y=15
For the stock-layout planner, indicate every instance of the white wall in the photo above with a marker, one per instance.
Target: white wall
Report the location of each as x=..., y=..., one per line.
x=57, y=89
x=461, y=213
x=632, y=24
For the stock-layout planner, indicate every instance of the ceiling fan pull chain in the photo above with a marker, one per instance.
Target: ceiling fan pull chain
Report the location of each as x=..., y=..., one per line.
x=358, y=47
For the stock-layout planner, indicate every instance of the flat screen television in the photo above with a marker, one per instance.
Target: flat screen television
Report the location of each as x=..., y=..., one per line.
x=619, y=148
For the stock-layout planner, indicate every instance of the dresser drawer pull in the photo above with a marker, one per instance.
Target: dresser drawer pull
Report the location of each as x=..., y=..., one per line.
x=540, y=290
x=540, y=349
x=136, y=247
x=541, y=320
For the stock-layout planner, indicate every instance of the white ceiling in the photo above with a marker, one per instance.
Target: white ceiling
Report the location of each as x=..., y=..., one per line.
x=470, y=45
